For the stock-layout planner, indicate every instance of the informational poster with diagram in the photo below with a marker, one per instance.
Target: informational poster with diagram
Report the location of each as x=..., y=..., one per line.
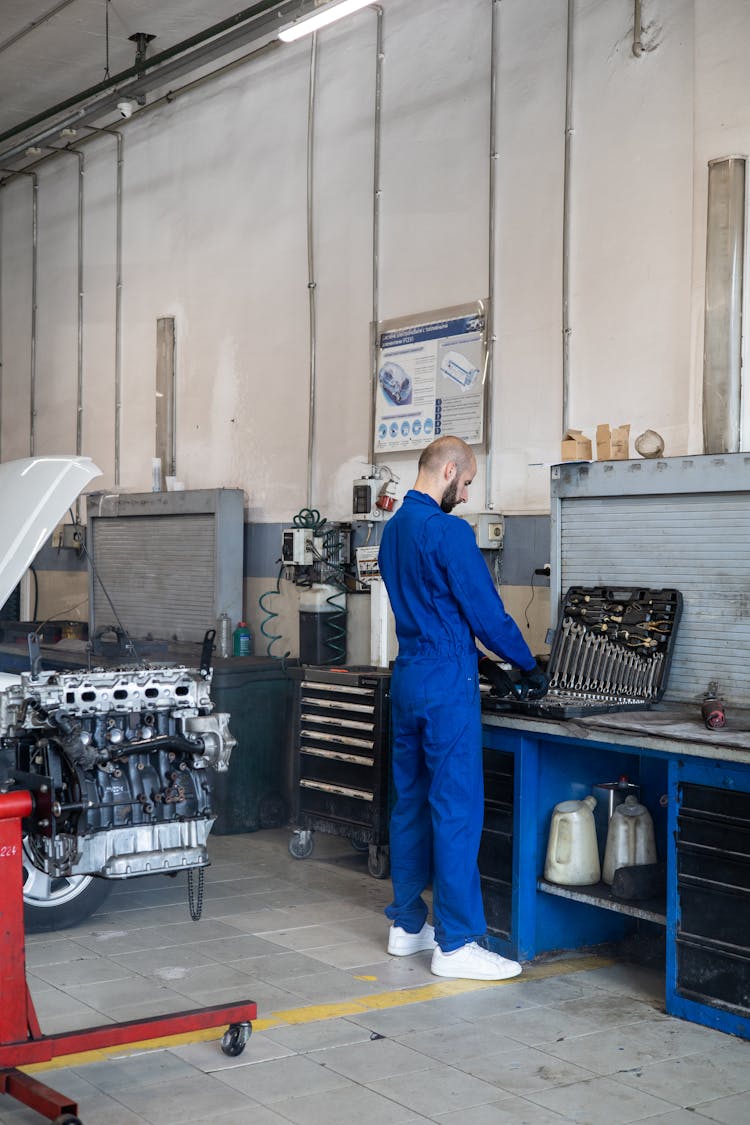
x=430, y=380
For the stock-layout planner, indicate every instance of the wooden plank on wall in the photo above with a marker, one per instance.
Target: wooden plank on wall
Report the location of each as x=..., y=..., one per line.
x=165, y=394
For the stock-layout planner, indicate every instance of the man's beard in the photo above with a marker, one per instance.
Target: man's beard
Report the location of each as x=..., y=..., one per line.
x=450, y=496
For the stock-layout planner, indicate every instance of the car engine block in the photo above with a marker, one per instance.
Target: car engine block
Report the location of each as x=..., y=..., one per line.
x=119, y=764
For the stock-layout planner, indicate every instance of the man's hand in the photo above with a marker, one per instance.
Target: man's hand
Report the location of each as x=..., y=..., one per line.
x=500, y=681
x=533, y=684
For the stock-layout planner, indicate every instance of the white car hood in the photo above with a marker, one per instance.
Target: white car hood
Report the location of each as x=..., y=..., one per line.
x=35, y=494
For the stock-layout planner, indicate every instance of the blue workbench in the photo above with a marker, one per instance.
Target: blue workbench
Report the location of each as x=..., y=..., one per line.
x=677, y=763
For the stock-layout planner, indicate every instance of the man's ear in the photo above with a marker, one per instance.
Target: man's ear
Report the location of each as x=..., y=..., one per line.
x=450, y=470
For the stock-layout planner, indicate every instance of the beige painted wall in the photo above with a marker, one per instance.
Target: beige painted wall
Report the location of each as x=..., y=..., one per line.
x=215, y=235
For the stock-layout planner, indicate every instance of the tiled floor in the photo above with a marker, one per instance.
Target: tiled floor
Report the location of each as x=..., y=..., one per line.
x=346, y=1033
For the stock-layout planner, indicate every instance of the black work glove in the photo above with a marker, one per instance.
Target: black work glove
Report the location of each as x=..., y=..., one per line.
x=533, y=684
x=499, y=680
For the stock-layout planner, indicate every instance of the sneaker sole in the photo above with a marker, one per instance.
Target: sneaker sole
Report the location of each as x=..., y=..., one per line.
x=478, y=976
x=400, y=952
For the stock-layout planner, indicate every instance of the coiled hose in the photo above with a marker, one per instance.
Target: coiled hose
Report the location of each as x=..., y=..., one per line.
x=270, y=615
x=309, y=517
x=336, y=622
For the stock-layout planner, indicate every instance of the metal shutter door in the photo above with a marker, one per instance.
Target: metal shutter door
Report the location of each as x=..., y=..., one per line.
x=697, y=543
x=159, y=571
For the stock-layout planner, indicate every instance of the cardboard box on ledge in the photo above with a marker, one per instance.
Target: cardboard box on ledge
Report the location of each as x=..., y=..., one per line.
x=612, y=444
x=575, y=446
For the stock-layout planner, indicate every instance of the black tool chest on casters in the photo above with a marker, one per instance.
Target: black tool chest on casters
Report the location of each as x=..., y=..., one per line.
x=341, y=759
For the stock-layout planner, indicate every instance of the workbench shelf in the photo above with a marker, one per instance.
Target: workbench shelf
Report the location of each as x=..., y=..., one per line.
x=599, y=894
x=701, y=812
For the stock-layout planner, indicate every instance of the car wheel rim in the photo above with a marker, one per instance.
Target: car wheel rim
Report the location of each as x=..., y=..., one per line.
x=42, y=890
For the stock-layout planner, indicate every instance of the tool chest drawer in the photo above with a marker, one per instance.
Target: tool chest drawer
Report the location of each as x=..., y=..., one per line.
x=496, y=846
x=713, y=888
x=341, y=755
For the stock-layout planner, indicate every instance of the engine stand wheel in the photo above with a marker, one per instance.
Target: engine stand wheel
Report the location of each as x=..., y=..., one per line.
x=301, y=844
x=67, y=1119
x=379, y=861
x=235, y=1038
x=359, y=844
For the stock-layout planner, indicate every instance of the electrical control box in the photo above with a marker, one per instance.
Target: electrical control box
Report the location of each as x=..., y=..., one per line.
x=297, y=546
x=316, y=552
x=364, y=494
x=488, y=527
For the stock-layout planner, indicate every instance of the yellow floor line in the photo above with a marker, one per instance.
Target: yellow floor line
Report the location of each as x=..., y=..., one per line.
x=314, y=1012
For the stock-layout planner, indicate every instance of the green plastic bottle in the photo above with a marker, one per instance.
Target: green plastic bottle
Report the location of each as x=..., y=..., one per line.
x=242, y=640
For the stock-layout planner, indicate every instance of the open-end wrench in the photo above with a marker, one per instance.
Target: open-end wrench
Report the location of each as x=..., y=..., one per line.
x=563, y=658
x=580, y=681
x=622, y=671
x=643, y=684
x=568, y=673
x=560, y=654
x=658, y=660
x=596, y=664
x=630, y=680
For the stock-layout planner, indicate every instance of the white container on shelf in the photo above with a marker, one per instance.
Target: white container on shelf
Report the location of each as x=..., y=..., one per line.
x=572, y=851
x=630, y=839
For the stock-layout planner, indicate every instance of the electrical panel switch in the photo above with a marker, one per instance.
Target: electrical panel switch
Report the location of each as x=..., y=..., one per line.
x=489, y=529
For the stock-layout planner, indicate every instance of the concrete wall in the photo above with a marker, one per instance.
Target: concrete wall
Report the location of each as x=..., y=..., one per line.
x=215, y=235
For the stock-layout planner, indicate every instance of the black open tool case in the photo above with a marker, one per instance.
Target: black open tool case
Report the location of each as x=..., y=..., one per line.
x=611, y=651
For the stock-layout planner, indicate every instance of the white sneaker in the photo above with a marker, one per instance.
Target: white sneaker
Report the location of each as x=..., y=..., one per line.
x=401, y=943
x=472, y=962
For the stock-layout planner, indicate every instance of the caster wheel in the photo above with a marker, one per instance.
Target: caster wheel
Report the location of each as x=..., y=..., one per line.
x=235, y=1038
x=301, y=845
x=360, y=845
x=379, y=862
x=67, y=1119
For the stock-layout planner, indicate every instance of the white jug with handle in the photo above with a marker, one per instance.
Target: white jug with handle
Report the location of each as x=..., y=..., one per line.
x=630, y=839
x=572, y=852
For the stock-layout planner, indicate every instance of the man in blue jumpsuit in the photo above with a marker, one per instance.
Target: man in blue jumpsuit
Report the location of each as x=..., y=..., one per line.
x=442, y=597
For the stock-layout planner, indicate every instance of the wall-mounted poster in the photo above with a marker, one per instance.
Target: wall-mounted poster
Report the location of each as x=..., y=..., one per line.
x=430, y=378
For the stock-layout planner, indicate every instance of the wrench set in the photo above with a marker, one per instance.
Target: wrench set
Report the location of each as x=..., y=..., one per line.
x=611, y=651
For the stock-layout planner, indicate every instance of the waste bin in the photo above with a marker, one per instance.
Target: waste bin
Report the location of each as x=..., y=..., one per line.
x=256, y=692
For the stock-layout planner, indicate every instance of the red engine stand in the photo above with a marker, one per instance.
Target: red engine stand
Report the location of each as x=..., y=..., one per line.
x=21, y=1038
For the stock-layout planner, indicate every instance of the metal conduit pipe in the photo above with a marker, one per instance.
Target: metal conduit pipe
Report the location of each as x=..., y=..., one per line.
x=79, y=322
x=566, y=328
x=118, y=292
x=34, y=275
x=18, y=35
x=311, y=266
x=259, y=21
x=1, y=328
x=492, y=224
x=376, y=194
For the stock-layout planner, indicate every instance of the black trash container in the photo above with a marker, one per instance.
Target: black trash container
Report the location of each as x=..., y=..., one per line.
x=257, y=693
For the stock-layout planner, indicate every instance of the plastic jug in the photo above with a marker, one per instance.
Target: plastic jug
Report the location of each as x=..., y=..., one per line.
x=572, y=852
x=630, y=839
x=609, y=794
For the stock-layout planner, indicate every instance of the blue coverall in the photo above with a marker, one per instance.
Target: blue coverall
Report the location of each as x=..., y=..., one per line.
x=442, y=596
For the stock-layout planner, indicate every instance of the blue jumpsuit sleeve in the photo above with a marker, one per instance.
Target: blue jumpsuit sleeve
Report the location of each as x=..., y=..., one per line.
x=474, y=590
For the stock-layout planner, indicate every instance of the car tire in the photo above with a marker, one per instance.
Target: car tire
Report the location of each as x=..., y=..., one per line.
x=58, y=903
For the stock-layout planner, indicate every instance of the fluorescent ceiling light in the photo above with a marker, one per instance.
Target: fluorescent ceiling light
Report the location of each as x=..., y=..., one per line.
x=321, y=19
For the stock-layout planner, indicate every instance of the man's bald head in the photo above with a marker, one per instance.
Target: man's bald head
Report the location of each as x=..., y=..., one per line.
x=444, y=449
x=446, y=469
